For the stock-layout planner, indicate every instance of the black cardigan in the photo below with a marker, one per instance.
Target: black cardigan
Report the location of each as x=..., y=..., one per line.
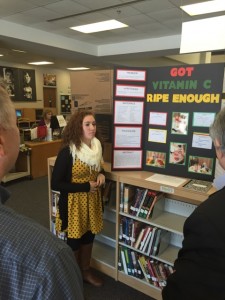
x=61, y=181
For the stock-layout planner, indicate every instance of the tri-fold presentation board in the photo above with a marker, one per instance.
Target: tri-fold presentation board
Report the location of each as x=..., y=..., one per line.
x=162, y=118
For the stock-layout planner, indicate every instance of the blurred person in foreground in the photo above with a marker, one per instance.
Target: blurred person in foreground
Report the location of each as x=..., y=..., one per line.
x=200, y=266
x=34, y=264
x=79, y=176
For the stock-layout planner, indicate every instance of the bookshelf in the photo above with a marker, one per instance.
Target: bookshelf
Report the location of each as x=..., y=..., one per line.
x=169, y=215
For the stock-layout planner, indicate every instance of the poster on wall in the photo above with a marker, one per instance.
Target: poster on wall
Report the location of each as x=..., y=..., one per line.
x=27, y=85
x=10, y=77
x=181, y=104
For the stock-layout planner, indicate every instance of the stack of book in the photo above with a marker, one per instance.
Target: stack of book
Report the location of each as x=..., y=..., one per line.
x=155, y=272
x=143, y=203
x=144, y=238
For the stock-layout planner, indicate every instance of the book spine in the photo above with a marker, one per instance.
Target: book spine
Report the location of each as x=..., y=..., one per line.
x=147, y=240
x=120, y=266
x=121, y=195
x=145, y=235
x=149, y=203
x=138, y=241
x=143, y=266
x=128, y=263
x=151, y=240
x=124, y=261
x=143, y=206
x=138, y=208
x=137, y=197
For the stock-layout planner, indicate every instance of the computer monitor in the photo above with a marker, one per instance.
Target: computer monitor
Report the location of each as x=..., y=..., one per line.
x=57, y=125
x=19, y=113
x=38, y=114
x=54, y=124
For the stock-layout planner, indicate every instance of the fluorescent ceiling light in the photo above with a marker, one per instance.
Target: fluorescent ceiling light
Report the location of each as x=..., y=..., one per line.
x=39, y=63
x=99, y=26
x=204, y=7
x=1, y=55
x=78, y=68
x=203, y=35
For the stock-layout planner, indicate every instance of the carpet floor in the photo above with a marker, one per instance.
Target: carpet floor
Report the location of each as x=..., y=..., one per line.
x=30, y=198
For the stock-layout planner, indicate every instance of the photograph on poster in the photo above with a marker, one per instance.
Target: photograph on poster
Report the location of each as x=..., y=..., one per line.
x=127, y=137
x=127, y=159
x=131, y=75
x=157, y=135
x=180, y=123
x=202, y=165
x=201, y=140
x=203, y=119
x=157, y=118
x=129, y=112
x=177, y=154
x=155, y=159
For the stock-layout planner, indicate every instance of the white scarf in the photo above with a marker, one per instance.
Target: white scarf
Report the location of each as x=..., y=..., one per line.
x=90, y=156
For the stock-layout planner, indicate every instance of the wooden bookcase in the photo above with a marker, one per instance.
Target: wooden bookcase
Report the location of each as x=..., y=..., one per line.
x=171, y=214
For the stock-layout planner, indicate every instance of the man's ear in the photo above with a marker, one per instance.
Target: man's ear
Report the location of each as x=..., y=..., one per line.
x=2, y=151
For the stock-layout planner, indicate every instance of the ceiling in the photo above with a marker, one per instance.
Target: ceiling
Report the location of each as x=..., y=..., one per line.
x=41, y=28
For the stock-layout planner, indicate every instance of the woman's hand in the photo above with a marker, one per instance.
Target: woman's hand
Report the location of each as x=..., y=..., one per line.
x=93, y=186
x=100, y=179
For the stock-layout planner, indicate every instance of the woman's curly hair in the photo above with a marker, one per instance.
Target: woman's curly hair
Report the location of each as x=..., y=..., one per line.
x=73, y=131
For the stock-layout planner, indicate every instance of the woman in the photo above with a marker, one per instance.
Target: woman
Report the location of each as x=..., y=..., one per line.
x=78, y=176
x=46, y=120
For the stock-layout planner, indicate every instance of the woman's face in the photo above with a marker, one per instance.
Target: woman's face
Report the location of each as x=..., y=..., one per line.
x=89, y=128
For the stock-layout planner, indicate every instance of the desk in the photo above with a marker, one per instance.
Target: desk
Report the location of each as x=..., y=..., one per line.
x=40, y=152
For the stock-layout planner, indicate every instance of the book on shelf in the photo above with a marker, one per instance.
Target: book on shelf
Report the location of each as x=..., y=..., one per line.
x=143, y=205
x=157, y=198
x=162, y=243
x=55, y=200
x=121, y=230
x=147, y=240
x=136, y=228
x=156, y=241
x=147, y=204
x=125, y=235
x=120, y=267
x=128, y=196
x=140, y=203
x=160, y=276
x=139, y=194
x=143, y=265
x=153, y=275
x=149, y=247
x=135, y=264
x=123, y=259
x=145, y=237
x=139, y=238
x=121, y=196
x=163, y=271
x=128, y=261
